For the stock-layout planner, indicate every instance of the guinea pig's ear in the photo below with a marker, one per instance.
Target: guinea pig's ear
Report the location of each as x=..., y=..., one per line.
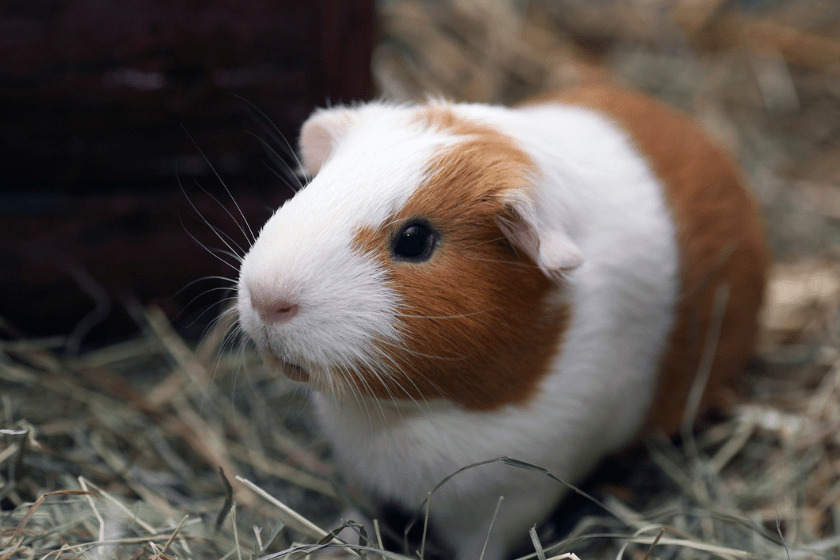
x=552, y=249
x=319, y=135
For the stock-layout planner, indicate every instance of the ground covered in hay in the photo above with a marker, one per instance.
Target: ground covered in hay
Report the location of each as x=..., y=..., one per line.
x=161, y=448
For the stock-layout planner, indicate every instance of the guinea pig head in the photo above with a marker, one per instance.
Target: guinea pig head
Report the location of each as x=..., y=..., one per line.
x=413, y=266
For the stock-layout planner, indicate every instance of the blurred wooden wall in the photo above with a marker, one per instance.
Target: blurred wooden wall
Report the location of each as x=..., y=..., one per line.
x=99, y=106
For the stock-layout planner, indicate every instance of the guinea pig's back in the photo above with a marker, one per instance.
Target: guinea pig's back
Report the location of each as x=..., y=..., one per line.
x=720, y=241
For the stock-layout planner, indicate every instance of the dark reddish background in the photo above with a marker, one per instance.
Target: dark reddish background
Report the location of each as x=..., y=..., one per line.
x=99, y=105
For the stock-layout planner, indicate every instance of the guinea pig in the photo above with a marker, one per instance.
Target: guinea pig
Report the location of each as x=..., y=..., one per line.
x=459, y=282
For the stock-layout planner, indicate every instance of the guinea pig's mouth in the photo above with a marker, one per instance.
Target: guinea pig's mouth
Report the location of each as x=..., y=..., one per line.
x=290, y=370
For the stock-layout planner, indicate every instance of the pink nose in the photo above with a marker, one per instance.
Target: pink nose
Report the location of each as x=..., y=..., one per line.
x=273, y=310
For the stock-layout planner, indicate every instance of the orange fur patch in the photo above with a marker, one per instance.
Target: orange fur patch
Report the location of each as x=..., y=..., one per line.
x=720, y=237
x=475, y=326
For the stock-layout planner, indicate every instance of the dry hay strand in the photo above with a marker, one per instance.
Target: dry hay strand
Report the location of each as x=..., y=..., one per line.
x=124, y=452
x=117, y=453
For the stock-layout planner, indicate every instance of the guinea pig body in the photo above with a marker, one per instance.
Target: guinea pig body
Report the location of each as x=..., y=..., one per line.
x=463, y=282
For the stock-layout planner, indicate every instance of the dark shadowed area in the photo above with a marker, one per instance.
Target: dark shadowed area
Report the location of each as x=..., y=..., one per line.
x=106, y=107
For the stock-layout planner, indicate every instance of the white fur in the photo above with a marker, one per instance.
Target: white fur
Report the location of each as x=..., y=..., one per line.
x=600, y=219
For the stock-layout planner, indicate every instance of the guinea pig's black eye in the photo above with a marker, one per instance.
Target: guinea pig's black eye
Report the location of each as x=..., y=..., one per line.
x=415, y=242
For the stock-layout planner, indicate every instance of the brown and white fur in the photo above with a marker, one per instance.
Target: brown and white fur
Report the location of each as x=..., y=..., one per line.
x=563, y=311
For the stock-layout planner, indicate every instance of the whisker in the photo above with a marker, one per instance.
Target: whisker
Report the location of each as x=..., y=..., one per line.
x=226, y=253
x=352, y=383
x=232, y=281
x=219, y=353
x=358, y=377
x=229, y=338
x=385, y=378
x=217, y=201
x=200, y=315
x=404, y=375
x=492, y=240
x=378, y=368
x=223, y=237
x=404, y=348
x=508, y=263
x=199, y=296
x=461, y=316
x=202, y=279
x=425, y=379
x=278, y=159
x=274, y=132
x=282, y=178
x=425, y=406
x=218, y=289
x=206, y=248
x=216, y=173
